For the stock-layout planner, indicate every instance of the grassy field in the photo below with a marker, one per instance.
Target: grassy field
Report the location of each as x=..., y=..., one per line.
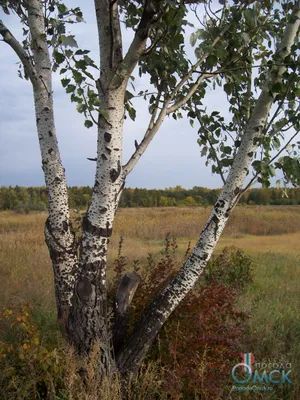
x=270, y=234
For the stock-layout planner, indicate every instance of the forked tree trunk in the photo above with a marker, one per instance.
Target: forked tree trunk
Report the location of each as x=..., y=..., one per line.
x=88, y=317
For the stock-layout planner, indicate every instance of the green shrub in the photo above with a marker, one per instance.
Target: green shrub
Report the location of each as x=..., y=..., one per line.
x=232, y=267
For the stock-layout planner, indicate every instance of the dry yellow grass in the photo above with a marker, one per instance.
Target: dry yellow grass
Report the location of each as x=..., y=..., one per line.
x=270, y=233
x=26, y=272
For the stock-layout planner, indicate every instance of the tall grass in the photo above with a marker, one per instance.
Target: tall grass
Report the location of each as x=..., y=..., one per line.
x=271, y=234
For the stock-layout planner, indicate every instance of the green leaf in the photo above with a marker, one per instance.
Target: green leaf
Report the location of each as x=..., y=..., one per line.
x=68, y=41
x=132, y=113
x=78, y=76
x=81, y=108
x=212, y=60
x=226, y=162
x=227, y=150
x=81, y=52
x=277, y=87
x=193, y=38
x=88, y=123
x=227, y=88
x=65, y=82
x=70, y=88
x=62, y=9
x=128, y=95
x=59, y=57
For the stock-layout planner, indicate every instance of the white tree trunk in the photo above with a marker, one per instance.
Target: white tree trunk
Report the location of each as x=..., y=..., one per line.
x=88, y=318
x=59, y=237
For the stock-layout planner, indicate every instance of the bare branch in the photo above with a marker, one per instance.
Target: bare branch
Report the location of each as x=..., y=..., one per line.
x=153, y=127
x=24, y=57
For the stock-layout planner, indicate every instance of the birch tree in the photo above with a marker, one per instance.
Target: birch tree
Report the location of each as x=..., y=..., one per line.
x=230, y=45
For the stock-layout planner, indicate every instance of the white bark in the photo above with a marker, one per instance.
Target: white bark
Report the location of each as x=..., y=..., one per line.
x=59, y=237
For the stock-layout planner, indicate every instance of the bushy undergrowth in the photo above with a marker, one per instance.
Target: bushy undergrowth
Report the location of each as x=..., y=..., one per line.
x=201, y=340
x=191, y=358
x=232, y=267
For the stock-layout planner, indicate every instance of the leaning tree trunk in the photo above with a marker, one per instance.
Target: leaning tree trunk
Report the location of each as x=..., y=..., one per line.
x=133, y=352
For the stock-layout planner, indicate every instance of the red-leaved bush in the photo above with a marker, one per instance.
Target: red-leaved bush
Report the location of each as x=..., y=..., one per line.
x=202, y=339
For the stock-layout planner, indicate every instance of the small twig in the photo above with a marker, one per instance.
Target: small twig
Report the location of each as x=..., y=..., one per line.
x=270, y=162
x=91, y=115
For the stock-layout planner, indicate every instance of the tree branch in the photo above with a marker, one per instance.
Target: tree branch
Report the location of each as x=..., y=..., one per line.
x=24, y=57
x=269, y=163
x=110, y=37
x=197, y=64
x=153, y=127
x=138, y=45
x=186, y=98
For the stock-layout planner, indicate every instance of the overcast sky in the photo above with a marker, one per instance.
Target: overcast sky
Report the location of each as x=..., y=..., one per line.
x=173, y=157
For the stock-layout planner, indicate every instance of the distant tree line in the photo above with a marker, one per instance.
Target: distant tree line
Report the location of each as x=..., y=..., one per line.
x=26, y=199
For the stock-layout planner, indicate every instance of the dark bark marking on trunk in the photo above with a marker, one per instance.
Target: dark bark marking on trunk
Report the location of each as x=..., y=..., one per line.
x=216, y=221
x=108, y=149
x=50, y=133
x=236, y=191
x=65, y=226
x=84, y=290
x=227, y=213
x=107, y=137
x=220, y=204
x=114, y=174
x=120, y=190
x=50, y=151
x=103, y=156
x=250, y=154
x=96, y=231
